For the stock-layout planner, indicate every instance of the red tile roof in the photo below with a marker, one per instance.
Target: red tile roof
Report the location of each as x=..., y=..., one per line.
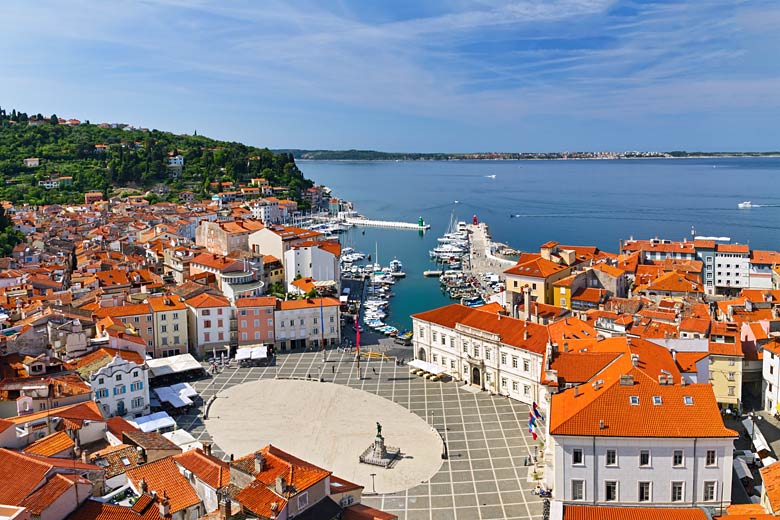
x=686, y=361
x=632, y=513
x=143, y=509
x=257, y=301
x=20, y=476
x=511, y=331
x=580, y=411
x=205, y=300
x=579, y=367
x=45, y=496
x=138, y=309
x=298, y=474
x=770, y=475
x=536, y=268
x=50, y=445
x=163, y=477
x=307, y=303
x=209, y=469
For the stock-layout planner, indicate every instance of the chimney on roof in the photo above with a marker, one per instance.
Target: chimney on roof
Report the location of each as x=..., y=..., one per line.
x=225, y=507
x=525, y=334
x=602, y=425
x=85, y=456
x=280, y=486
x=142, y=486
x=207, y=447
x=576, y=391
x=259, y=462
x=165, y=506
x=626, y=380
x=674, y=354
x=635, y=359
x=141, y=455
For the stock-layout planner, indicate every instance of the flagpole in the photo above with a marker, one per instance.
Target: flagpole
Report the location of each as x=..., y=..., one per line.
x=322, y=330
x=357, y=341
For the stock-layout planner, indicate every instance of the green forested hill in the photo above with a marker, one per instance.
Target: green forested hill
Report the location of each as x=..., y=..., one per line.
x=133, y=158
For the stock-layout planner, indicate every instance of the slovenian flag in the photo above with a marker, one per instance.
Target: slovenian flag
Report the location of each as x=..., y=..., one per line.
x=357, y=336
x=532, y=430
x=537, y=413
x=531, y=418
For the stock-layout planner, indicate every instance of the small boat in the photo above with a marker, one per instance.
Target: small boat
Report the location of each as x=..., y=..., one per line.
x=491, y=176
x=432, y=272
x=745, y=205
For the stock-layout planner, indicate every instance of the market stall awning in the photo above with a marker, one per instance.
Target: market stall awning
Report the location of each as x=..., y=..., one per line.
x=428, y=367
x=154, y=422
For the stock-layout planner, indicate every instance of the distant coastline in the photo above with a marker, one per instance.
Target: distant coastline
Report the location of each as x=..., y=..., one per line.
x=371, y=155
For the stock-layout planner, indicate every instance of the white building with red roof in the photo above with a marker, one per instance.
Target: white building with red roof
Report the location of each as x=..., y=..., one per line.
x=304, y=323
x=208, y=318
x=636, y=435
x=313, y=259
x=485, y=349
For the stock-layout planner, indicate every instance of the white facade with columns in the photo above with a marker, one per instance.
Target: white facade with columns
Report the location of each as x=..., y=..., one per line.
x=481, y=357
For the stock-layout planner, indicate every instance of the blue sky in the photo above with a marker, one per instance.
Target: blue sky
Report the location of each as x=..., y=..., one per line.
x=406, y=75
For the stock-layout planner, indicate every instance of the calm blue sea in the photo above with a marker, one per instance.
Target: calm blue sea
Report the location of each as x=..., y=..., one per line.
x=573, y=202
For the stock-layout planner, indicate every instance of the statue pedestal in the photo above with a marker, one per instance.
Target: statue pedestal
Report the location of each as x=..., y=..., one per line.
x=380, y=455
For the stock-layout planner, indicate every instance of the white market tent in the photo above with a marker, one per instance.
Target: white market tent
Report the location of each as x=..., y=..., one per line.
x=428, y=367
x=154, y=422
x=183, y=439
x=173, y=365
x=178, y=395
x=741, y=468
x=759, y=442
x=253, y=353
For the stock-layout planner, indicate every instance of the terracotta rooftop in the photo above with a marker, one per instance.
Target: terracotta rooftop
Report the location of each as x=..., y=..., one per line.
x=307, y=303
x=209, y=469
x=46, y=495
x=512, y=331
x=633, y=513
x=164, y=478
x=206, y=300
x=640, y=409
x=50, y=445
x=20, y=475
x=145, y=508
x=770, y=475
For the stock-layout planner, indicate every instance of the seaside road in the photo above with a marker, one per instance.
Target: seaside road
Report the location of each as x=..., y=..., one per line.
x=486, y=436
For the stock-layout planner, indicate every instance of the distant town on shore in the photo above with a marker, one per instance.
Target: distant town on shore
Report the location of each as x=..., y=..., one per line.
x=372, y=155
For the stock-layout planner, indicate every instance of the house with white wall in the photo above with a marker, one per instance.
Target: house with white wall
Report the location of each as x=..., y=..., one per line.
x=628, y=439
x=121, y=388
x=484, y=349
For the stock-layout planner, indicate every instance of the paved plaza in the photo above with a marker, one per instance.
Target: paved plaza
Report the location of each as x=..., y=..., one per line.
x=329, y=425
x=486, y=436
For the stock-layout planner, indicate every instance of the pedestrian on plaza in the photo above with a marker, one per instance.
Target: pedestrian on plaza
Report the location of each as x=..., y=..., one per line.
x=373, y=369
x=333, y=368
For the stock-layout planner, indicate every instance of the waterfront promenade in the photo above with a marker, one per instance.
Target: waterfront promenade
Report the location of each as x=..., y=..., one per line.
x=481, y=260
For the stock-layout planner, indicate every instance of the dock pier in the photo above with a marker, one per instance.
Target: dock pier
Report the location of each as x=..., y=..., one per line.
x=419, y=226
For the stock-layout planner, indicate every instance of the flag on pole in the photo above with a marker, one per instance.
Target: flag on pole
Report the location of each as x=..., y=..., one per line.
x=537, y=413
x=532, y=430
x=357, y=336
x=531, y=418
x=322, y=319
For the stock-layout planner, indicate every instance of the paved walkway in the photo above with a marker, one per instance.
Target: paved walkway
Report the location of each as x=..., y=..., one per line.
x=487, y=438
